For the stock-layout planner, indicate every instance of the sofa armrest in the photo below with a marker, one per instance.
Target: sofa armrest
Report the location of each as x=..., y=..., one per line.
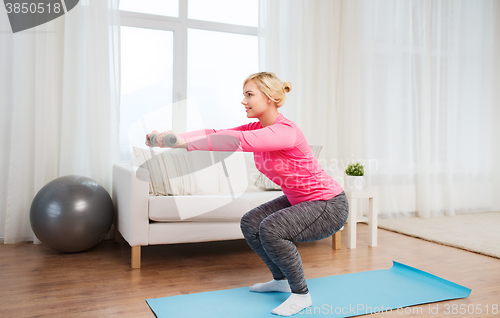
x=131, y=200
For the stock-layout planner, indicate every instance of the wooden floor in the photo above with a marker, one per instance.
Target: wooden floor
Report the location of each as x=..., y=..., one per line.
x=36, y=281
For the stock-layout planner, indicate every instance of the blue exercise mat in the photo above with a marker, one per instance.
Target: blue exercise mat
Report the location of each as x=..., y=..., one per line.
x=386, y=290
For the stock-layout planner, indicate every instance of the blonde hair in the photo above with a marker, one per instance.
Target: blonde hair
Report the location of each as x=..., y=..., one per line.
x=270, y=84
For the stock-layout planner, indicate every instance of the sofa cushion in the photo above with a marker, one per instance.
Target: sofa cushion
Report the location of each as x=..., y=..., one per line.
x=178, y=172
x=205, y=171
x=206, y=208
x=240, y=167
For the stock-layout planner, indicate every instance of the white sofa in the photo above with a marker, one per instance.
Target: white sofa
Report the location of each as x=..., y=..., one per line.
x=212, y=211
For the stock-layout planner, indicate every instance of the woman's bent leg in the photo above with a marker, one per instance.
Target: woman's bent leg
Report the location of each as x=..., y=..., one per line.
x=303, y=222
x=250, y=224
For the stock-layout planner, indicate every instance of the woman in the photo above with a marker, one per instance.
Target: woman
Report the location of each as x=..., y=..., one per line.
x=313, y=206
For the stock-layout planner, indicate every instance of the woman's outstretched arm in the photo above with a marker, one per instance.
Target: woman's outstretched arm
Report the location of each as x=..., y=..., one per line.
x=206, y=132
x=270, y=138
x=192, y=135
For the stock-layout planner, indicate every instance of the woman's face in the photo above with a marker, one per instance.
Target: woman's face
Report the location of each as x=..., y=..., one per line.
x=256, y=103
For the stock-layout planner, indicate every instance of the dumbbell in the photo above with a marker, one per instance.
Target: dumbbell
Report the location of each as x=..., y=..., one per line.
x=169, y=140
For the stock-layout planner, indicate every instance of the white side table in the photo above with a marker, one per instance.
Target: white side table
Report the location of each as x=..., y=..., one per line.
x=352, y=197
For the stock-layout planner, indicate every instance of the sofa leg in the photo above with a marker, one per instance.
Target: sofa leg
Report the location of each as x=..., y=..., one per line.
x=136, y=256
x=336, y=240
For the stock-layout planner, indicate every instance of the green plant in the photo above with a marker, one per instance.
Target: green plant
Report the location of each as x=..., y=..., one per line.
x=355, y=169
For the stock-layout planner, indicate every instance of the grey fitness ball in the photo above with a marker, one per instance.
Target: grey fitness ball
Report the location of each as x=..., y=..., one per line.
x=71, y=214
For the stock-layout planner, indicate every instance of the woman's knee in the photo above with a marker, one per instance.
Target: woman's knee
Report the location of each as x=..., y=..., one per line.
x=249, y=222
x=267, y=230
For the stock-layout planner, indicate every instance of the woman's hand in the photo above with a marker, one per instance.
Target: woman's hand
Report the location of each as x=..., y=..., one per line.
x=154, y=132
x=181, y=143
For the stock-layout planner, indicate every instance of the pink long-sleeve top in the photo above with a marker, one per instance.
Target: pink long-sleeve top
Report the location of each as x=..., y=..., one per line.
x=281, y=153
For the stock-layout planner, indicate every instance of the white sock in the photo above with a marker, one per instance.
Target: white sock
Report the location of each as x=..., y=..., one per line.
x=272, y=286
x=293, y=305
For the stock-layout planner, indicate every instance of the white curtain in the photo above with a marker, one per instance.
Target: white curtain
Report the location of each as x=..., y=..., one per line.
x=408, y=88
x=59, y=100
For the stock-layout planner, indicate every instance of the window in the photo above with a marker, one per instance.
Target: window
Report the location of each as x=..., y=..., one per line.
x=146, y=83
x=233, y=12
x=215, y=78
x=159, y=7
x=183, y=65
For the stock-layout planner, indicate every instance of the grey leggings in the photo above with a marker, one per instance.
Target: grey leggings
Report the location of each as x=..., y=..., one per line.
x=271, y=228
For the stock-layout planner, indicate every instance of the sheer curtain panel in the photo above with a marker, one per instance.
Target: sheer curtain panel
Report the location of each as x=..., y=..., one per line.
x=431, y=108
x=59, y=100
x=407, y=88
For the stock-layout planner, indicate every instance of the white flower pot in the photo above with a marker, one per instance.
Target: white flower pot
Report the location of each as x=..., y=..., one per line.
x=354, y=182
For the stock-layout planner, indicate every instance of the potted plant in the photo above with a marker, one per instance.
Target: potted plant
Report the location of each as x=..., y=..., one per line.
x=354, y=176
